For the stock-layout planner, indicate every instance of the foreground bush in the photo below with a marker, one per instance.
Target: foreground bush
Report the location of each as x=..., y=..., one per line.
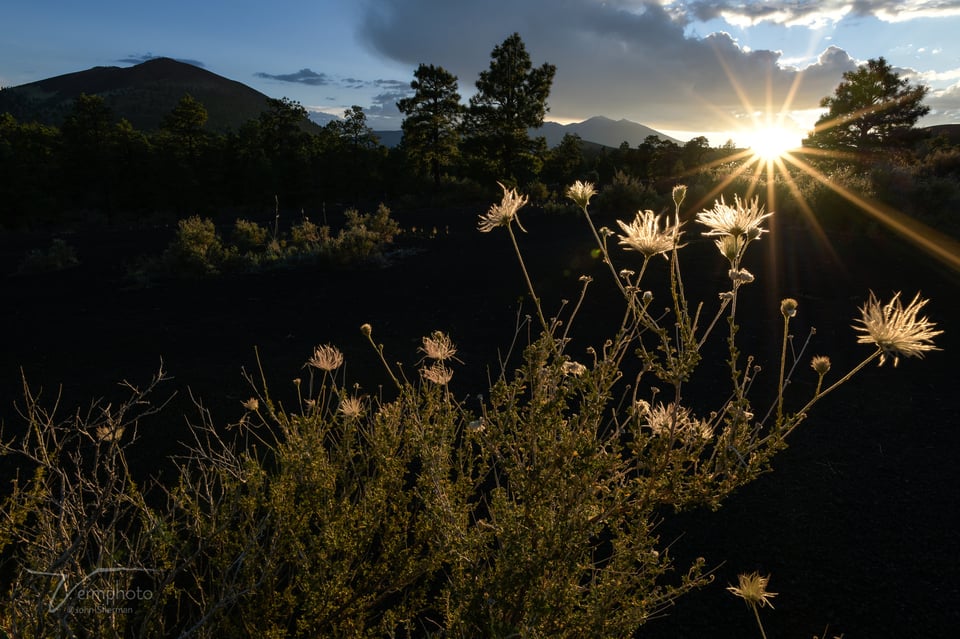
x=530, y=511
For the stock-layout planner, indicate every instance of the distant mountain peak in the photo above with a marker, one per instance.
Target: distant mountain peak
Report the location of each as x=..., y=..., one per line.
x=602, y=130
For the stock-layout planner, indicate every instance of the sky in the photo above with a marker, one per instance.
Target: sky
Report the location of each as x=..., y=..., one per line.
x=712, y=68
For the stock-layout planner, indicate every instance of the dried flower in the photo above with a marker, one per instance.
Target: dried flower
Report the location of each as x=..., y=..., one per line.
x=326, y=358
x=788, y=307
x=576, y=369
x=437, y=373
x=896, y=330
x=743, y=218
x=821, y=364
x=351, y=407
x=665, y=419
x=505, y=212
x=645, y=236
x=366, y=330
x=581, y=192
x=753, y=590
x=438, y=347
x=110, y=433
x=252, y=404
x=741, y=276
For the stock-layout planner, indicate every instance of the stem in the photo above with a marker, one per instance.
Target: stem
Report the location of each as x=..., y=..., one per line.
x=379, y=349
x=783, y=361
x=756, y=614
x=526, y=276
x=603, y=249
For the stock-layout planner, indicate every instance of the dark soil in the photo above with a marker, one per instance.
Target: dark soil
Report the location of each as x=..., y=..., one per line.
x=857, y=525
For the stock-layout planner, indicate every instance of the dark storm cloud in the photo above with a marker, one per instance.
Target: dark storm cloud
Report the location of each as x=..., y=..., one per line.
x=619, y=58
x=303, y=76
x=138, y=59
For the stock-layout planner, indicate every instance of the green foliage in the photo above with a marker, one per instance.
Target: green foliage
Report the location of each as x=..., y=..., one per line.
x=431, y=133
x=873, y=107
x=198, y=249
x=626, y=193
x=511, y=98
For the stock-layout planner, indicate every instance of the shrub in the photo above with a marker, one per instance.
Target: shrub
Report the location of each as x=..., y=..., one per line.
x=249, y=237
x=534, y=513
x=58, y=257
x=197, y=250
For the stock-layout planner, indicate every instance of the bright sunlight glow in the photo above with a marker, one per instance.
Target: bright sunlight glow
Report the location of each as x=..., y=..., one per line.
x=770, y=143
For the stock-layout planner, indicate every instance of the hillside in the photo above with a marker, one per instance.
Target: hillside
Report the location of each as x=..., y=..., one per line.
x=143, y=94
x=601, y=130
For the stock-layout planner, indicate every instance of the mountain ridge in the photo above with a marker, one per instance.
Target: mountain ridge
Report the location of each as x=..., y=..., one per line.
x=144, y=93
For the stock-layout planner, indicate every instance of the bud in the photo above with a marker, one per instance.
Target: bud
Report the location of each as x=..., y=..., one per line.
x=366, y=329
x=788, y=307
x=679, y=194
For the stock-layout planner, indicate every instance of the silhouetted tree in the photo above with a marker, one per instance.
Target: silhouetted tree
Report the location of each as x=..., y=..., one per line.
x=431, y=133
x=511, y=98
x=872, y=107
x=564, y=162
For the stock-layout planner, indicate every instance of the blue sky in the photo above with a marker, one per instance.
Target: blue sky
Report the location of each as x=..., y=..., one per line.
x=684, y=68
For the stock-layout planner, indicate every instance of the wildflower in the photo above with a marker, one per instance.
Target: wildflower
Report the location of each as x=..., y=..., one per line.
x=351, y=407
x=438, y=347
x=437, y=373
x=788, y=307
x=326, y=358
x=366, y=330
x=896, y=330
x=252, y=404
x=645, y=236
x=581, y=192
x=743, y=218
x=505, y=212
x=821, y=364
x=753, y=590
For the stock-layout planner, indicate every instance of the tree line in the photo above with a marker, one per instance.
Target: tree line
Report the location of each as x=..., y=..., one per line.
x=94, y=166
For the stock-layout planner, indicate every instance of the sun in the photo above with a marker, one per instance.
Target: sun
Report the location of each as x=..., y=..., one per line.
x=770, y=143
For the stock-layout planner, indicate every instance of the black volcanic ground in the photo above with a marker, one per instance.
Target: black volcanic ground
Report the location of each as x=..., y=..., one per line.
x=855, y=525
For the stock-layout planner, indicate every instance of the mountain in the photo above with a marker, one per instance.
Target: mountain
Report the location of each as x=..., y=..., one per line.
x=600, y=130
x=597, y=130
x=143, y=94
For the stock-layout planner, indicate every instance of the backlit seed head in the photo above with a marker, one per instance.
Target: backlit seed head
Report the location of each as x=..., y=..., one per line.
x=366, y=330
x=351, y=407
x=753, y=590
x=437, y=373
x=896, y=330
x=821, y=364
x=326, y=358
x=438, y=346
x=252, y=404
x=581, y=192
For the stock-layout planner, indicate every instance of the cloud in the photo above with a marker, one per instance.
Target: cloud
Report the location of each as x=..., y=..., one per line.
x=303, y=76
x=145, y=57
x=944, y=106
x=821, y=13
x=620, y=58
